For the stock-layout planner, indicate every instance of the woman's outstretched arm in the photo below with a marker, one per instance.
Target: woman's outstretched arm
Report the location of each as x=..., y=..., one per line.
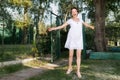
x=59, y=27
x=87, y=25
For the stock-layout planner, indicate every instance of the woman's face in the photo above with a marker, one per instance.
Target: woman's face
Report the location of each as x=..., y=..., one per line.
x=74, y=13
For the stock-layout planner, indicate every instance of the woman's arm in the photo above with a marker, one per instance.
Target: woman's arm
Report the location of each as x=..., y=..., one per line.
x=59, y=27
x=87, y=25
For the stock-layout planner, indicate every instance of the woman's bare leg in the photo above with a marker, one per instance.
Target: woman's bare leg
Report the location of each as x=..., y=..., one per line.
x=78, y=61
x=71, y=52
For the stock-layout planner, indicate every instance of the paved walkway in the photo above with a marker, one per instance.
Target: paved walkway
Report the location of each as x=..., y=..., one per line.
x=27, y=73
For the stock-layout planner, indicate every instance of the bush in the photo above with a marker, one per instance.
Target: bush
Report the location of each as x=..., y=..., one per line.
x=12, y=52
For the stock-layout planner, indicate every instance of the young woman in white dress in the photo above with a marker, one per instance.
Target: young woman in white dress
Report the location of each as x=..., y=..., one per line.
x=74, y=39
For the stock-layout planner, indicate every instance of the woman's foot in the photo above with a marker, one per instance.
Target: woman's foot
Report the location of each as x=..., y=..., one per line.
x=69, y=71
x=79, y=74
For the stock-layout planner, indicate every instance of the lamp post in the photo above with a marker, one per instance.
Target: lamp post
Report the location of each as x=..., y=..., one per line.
x=58, y=44
x=3, y=26
x=84, y=40
x=55, y=42
x=51, y=38
x=35, y=30
x=34, y=37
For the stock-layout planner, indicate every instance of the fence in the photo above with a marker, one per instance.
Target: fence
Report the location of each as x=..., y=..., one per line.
x=49, y=44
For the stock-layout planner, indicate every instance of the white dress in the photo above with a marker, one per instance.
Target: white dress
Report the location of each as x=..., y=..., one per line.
x=75, y=36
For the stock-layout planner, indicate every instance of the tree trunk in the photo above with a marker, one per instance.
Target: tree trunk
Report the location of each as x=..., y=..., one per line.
x=24, y=39
x=14, y=35
x=100, y=42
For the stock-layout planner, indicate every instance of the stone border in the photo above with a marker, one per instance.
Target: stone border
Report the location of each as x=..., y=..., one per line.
x=7, y=63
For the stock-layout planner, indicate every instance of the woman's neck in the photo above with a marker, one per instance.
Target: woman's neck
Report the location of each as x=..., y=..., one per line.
x=74, y=17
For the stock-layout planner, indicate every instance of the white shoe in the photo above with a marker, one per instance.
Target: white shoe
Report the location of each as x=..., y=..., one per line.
x=69, y=71
x=79, y=74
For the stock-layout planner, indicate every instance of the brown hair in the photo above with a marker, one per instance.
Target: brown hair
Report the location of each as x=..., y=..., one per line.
x=75, y=8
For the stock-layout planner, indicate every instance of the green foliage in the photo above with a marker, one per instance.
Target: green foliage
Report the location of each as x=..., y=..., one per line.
x=63, y=38
x=7, y=56
x=113, y=5
x=13, y=52
x=110, y=5
x=89, y=36
x=43, y=44
x=35, y=52
x=25, y=3
x=42, y=28
x=112, y=33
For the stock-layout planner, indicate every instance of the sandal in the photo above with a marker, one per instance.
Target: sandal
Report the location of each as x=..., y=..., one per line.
x=69, y=71
x=79, y=74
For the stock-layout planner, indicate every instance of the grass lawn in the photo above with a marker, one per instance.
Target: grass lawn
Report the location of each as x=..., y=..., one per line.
x=14, y=52
x=90, y=70
x=11, y=69
x=17, y=67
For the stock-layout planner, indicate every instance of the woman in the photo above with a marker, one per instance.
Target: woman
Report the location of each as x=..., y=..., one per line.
x=74, y=39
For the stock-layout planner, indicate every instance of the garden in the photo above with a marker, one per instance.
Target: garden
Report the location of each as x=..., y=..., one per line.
x=29, y=51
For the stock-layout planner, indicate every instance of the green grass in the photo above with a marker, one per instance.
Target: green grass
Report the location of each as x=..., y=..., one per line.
x=90, y=70
x=13, y=52
x=57, y=74
x=17, y=67
x=11, y=69
x=101, y=70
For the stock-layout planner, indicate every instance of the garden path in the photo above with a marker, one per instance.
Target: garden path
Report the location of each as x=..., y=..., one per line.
x=27, y=73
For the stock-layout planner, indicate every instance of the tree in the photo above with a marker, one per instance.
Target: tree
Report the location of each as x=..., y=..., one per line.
x=4, y=16
x=40, y=7
x=100, y=41
x=25, y=4
x=101, y=9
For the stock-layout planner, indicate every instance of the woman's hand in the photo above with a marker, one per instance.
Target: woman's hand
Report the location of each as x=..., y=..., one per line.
x=50, y=29
x=92, y=27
